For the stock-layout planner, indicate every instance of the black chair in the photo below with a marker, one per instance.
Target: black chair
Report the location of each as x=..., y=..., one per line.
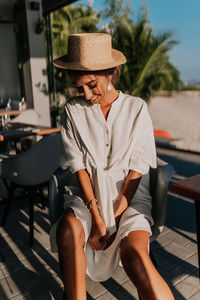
x=31, y=170
x=159, y=181
x=5, y=148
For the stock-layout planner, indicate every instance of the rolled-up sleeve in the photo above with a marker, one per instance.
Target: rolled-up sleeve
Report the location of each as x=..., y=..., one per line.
x=144, y=153
x=71, y=152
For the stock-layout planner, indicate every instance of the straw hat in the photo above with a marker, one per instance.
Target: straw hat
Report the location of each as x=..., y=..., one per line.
x=90, y=52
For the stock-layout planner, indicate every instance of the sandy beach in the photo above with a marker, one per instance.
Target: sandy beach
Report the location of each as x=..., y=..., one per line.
x=179, y=114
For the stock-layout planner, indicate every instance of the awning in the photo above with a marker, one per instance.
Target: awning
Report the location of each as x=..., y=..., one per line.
x=51, y=5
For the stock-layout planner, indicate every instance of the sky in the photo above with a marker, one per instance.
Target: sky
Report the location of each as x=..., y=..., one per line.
x=182, y=17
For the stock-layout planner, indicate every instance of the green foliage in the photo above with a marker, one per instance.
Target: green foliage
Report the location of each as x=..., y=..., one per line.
x=114, y=9
x=148, y=68
x=69, y=20
x=188, y=88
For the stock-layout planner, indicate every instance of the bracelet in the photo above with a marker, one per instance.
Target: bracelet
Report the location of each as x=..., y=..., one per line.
x=91, y=203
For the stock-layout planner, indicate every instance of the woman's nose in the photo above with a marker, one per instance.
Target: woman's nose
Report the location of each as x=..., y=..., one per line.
x=87, y=93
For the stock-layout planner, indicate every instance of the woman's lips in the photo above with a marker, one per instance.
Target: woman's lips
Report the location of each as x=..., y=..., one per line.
x=93, y=99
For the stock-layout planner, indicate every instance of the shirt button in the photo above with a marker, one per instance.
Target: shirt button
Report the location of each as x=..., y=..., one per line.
x=107, y=145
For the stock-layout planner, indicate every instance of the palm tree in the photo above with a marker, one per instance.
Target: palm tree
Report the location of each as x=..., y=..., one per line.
x=148, y=68
x=69, y=20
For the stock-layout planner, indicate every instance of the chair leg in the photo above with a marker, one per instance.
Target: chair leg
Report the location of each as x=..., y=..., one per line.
x=2, y=258
x=6, y=184
x=11, y=191
x=31, y=217
x=64, y=296
x=42, y=198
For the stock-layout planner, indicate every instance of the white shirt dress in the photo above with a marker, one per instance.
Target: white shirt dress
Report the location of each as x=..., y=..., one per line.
x=108, y=149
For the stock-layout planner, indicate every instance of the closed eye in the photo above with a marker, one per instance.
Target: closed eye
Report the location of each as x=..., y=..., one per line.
x=92, y=86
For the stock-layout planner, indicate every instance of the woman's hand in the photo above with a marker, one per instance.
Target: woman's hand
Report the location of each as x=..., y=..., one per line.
x=109, y=241
x=111, y=238
x=98, y=235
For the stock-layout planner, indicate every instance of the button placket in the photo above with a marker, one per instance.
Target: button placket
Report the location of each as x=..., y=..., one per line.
x=107, y=145
x=107, y=139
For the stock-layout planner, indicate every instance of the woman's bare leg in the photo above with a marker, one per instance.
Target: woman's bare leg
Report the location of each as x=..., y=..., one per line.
x=70, y=242
x=140, y=269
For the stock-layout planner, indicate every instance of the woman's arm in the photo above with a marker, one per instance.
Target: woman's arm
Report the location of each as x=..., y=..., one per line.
x=87, y=189
x=98, y=227
x=128, y=191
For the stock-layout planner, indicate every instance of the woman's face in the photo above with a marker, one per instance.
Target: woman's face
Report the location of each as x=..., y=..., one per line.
x=93, y=87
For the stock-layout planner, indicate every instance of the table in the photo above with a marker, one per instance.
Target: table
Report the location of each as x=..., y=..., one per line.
x=19, y=130
x=190, y=187
x=4, y=112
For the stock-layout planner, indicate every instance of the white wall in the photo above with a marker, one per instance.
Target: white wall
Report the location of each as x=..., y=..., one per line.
x=35, y=69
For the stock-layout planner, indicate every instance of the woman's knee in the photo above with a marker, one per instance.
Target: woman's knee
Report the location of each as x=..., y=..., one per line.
x=70, y=231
